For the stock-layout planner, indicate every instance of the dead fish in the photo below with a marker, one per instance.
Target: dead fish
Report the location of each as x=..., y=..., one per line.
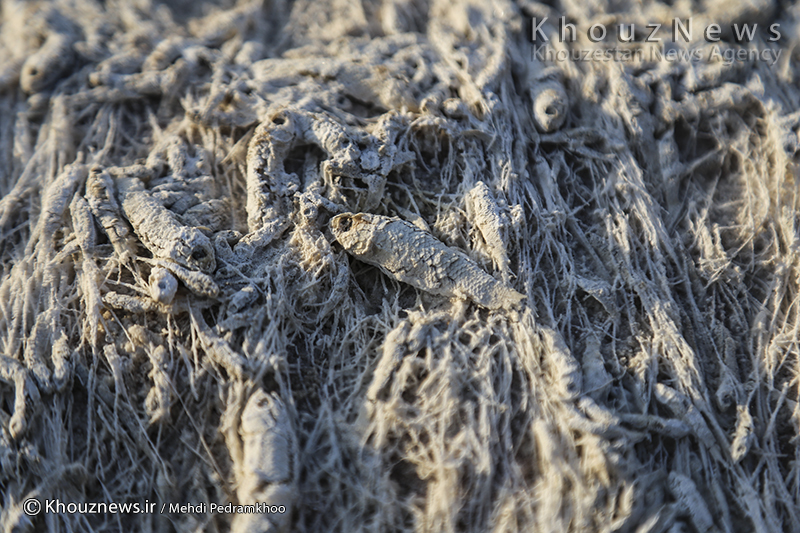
x=414, y=256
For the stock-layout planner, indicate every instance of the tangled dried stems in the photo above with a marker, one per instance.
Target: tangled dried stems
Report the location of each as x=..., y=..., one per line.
x=178, y=322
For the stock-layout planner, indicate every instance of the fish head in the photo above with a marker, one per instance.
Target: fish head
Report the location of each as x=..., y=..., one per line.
x=353, y=231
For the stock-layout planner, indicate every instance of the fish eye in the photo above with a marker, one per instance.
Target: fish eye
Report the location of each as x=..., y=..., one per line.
x=345, y=223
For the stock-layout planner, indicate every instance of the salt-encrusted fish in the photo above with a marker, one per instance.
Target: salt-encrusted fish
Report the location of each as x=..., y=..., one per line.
x=484, y=213
x=265, y=470
x=101, y=197
x=160, y=232
x=414, y=256
x=550, y=105
x=54, y=59
x=163, y=285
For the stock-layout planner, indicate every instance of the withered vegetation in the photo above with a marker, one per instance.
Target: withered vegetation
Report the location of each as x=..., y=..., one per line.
x=179, y=324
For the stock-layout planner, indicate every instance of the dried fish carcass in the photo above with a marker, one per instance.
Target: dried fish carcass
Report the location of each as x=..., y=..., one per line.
x=484, y=213
x=267, y=466
x=414, y=256
x=161, y=233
